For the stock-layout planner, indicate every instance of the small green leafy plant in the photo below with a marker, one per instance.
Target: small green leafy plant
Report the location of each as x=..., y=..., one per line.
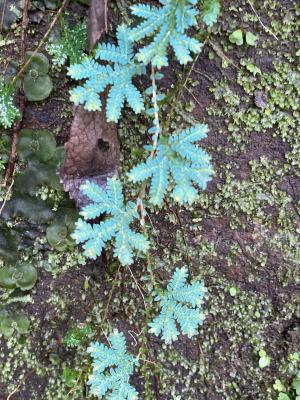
x=21, y=275
x=8, y=111
x=289, y=390
x=113, y=366
x=285, y=393
x=237, y=37
x=70, y=45
x=77, y=335
x=11, y=322
x=264, y=359
x=167, y=25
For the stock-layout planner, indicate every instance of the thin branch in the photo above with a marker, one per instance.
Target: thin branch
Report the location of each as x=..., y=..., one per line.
x=3, y=15
x=268, y=30
x=221, y=54
x=6, y=196
x=16, y=389
x=138, y=286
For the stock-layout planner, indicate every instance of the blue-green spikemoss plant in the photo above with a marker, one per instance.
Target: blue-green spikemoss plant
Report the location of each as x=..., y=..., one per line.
x=119, y=77
x=94, y=236
x=112, y=368
x=176, y=155
x=181, y=303
x=167, y=25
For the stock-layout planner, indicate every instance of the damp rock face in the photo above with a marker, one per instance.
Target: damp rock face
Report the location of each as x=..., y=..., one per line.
x=92, y=152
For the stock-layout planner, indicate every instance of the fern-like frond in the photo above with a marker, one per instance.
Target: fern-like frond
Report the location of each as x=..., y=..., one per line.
x=70, y=45
x=112, y=368
x=94, y=236
x=179, y=157
x=210, y=12
x=8, y=111
x=119, y=76
x=180, y=304
x=167, y=25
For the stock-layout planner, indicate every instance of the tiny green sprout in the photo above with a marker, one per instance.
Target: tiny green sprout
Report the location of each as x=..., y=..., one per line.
x=264, y=360
x=77, y=335
x=278, y=386
x=236, y=37
x=251, y=39
x=70, y=376
x=233, y=291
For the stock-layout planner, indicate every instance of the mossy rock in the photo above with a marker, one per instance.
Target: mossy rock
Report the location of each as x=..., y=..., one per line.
x=12, y=12
x=22, y=276
x=37, y=83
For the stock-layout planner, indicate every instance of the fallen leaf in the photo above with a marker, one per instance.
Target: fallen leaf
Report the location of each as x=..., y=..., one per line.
x=92, y=152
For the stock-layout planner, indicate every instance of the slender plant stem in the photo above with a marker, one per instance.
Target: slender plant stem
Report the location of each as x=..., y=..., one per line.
x=138, y=286
x=155, y=106
x=18, y=125
x=3, y=14
x=155, y=141
x=105, y=314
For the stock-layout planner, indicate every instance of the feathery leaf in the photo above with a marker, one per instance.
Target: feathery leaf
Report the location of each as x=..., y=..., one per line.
x=112, y=368
x=70, y=45
x=180, y=303
x=179, y=157
x=211, y=11
x=117, y=226
x=119, y=77
x=167, y=25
